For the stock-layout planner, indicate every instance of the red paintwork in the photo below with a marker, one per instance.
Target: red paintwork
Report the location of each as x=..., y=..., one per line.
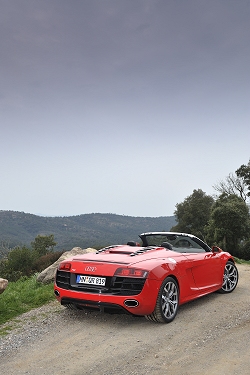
x=197, y=274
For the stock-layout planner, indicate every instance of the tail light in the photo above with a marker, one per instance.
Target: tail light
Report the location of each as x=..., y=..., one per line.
x=64, y=266
x=131, y=272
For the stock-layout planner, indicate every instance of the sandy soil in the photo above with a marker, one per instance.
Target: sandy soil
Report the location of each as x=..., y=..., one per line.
x=209, y=336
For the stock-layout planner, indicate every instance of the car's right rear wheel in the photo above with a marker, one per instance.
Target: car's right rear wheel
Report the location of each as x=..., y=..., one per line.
x=167, y=302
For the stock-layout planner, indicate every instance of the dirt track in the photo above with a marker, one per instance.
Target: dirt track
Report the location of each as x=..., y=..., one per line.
x=209, y=336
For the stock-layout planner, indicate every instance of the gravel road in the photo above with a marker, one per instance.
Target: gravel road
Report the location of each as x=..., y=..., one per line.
x=209, y=336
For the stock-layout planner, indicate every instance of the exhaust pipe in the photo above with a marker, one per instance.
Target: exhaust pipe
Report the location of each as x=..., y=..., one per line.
x=131, y=303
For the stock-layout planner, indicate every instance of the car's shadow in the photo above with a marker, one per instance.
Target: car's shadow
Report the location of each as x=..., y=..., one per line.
x=204, y=303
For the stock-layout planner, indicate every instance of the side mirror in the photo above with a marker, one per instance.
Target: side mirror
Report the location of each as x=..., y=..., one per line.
x=216, y=249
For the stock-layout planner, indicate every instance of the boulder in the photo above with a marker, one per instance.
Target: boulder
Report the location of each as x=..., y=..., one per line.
x=48, y=275
x=3, y=285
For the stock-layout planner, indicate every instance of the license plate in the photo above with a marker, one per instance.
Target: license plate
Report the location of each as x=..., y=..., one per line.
x=90, y=280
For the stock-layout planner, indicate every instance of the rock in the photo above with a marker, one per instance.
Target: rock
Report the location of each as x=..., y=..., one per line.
x=48, y=275
x=3, y=285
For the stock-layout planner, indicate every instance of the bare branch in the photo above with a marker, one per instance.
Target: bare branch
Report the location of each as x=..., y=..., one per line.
x=232, y=185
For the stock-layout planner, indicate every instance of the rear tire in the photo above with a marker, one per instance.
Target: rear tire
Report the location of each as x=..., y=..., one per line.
x=167, y=302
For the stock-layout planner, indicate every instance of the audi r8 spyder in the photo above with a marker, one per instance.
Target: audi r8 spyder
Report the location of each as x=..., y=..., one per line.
x=151, y=278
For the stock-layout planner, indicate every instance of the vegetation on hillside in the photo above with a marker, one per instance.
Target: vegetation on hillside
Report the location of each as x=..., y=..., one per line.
x=88, y=230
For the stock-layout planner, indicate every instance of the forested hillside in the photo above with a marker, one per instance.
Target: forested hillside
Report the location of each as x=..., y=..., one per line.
x=87, y=230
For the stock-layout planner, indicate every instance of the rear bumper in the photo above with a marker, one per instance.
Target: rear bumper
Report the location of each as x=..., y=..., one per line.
x=140, y=304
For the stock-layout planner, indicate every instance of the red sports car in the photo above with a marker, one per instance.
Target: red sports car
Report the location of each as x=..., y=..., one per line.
x=152, y=278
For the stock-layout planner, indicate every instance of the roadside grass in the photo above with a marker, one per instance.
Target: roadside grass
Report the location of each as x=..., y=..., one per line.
x=22, y=296
x=241, y=261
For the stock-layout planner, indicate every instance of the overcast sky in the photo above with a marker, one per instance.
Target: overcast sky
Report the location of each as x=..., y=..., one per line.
x=121, y=106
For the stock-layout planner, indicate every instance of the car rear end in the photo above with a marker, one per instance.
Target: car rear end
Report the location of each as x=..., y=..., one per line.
x=107, y=284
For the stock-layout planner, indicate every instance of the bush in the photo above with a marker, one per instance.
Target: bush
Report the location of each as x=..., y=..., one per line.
x=22, y=261
x=19, y=263
x=46, y=260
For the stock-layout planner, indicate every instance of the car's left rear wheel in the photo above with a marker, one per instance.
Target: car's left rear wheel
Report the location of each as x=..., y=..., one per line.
x=167, y=302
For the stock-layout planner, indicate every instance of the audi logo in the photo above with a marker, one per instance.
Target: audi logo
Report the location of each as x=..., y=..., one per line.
x=90, y=269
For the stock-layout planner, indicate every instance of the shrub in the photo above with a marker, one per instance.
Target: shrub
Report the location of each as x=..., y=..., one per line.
x=46, y=260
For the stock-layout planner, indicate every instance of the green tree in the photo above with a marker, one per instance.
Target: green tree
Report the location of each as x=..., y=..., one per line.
x=244, y=250
x=43, y=245
x=244, y=173
x=193, y=214
x=19, y=263
x=229, y=224
x=23, y=261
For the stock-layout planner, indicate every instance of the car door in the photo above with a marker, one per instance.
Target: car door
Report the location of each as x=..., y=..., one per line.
x=206, y=269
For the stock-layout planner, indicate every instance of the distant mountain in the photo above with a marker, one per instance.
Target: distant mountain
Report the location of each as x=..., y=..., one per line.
x=87, y=230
